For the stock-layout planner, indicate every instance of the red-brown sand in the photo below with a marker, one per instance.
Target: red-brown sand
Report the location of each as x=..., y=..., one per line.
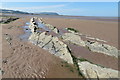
x=26, y=60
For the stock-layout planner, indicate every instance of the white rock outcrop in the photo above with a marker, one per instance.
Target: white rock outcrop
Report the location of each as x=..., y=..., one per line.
x=52, y=44
x=102, y=48
x=73, y=38
x=93, y=71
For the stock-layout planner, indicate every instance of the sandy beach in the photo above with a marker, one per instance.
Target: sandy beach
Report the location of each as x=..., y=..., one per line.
x=32, y=61
x=106, y=30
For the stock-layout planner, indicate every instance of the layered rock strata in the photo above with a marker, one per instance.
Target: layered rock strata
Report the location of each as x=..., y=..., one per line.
x=102, y=48
x=93, y=46
x=93, y=71
x=50, y=43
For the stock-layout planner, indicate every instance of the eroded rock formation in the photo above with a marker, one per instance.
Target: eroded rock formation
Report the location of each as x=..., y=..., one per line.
x=50, y=43
x=102, y=48
x=93, y=71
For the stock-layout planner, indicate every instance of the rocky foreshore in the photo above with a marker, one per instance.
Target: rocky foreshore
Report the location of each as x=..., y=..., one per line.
x=43, y=38
x=50, y=43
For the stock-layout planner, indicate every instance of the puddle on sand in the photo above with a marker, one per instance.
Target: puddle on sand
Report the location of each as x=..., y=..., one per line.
x=27, y=31
x=27, y=23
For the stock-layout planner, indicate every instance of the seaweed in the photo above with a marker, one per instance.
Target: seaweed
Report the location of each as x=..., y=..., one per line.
x=72, y=29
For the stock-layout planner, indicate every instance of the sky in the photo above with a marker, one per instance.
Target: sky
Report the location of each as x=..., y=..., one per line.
x=59, y=0
x=66, y=8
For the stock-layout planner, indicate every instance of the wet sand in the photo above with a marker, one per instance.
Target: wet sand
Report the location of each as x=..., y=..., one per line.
x=32, y=61
x=96, y=58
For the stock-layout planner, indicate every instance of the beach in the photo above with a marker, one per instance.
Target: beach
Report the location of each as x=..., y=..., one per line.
x=32, y=61
x=106, y=30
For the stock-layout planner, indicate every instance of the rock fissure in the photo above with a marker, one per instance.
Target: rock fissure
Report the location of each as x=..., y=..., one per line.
x=47, y=43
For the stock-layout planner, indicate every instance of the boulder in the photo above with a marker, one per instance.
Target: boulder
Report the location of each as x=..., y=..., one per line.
x=73, y=38
x=102, y=48
x=93, y=71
